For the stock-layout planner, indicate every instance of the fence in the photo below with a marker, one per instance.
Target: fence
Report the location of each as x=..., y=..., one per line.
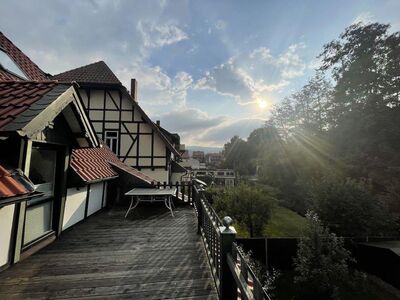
x=375, y=257
x=230, y=270
x=183, y=189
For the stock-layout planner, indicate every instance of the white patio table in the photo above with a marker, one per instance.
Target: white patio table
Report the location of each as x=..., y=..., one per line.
x=151, y=195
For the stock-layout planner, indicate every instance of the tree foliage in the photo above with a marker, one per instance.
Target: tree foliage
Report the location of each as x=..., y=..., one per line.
x=349, y=207
x=344, y=123
x=321, y=263
x=247, y=205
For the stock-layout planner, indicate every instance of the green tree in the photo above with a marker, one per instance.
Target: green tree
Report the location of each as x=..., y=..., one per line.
x=364, y=110
x=247, y=205
x=321, y=263
x=349, y=208
x=237, y=155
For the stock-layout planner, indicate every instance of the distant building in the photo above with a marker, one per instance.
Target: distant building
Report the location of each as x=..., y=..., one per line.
x=213, y=159
x=222, y=177
x=199, y=155
x=192, y=164
x=184, y=152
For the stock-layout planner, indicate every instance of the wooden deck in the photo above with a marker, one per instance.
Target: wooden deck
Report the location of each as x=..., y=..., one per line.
x=150, y=255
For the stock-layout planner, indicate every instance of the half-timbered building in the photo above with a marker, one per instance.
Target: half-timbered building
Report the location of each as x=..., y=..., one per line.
x=122, y=124
x=46, y=135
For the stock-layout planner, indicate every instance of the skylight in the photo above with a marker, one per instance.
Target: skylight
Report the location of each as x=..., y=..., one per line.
x=7, y=63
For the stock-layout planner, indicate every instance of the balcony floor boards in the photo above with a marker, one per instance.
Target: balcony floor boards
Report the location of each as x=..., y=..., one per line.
x=150, y=255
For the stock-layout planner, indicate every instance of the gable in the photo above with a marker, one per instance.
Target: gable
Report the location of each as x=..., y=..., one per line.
x=95, y=73
x=30, y=108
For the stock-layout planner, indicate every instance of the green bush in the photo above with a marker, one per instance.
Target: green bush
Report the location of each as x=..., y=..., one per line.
x=248, y=206
x=321, y=263
x=349, y=208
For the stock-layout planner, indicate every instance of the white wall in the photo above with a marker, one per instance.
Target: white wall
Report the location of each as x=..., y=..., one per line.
x=158, y=174
x=95, y=198
x=176, y=177
x=145, y=142
x=6, y=220
x=74, y=207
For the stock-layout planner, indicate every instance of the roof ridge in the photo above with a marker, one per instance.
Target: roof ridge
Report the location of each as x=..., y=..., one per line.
x=81, y=67
x=94, y=73
x=29, y=81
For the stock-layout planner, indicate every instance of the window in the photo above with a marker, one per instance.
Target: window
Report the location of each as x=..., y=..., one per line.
x=43, y=169
x=39, y=211
x=10, y=65
x=111, y=138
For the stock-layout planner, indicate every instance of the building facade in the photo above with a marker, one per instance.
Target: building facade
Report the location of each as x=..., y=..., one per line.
x=122, y=124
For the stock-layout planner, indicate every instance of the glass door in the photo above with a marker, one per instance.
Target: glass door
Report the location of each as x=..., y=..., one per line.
x=39, y=212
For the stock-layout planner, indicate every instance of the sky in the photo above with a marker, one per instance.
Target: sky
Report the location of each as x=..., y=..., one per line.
x=207, y=70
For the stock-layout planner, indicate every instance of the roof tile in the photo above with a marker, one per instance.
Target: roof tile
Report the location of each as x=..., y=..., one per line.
x=92, y=164
x=18, y=96
x=28, y=67
x=10, y=187
x=5, y=75
x=97, y=73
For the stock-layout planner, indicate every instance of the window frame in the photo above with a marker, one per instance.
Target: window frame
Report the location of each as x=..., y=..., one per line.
x=112, y=139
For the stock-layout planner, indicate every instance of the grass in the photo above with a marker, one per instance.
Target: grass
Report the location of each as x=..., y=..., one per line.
x=366, y=289
x=285, y=223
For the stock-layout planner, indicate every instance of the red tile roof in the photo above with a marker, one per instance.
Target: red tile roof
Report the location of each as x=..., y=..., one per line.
x=18, y=96
x=5, y=75
x=97, y=73
x=9, y=187
x=93, y=164
x=28, y=67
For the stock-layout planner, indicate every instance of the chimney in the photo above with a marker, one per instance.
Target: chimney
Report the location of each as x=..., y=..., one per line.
x=134, y=89
x=158, y=122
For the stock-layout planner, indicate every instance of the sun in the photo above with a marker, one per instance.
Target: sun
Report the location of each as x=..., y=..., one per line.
x=262, y=104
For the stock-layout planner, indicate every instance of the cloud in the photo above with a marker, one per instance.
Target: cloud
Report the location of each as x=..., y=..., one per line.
x=289, y=62
x=156, y=86
x=159, y=35
x=220, y=25
x=244, y=77
x=227, y=79
x=262, y=54
x=189, y=121
x=196, y=127
x=219, y=135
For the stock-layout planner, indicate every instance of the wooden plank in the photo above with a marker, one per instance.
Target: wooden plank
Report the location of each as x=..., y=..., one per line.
x=153, y=256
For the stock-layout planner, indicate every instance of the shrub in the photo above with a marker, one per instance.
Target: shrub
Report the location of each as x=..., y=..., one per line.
x=247, y=205
x=349, y=208
x=321, y=263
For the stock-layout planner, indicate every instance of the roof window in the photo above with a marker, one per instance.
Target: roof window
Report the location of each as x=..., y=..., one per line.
x=7, y=63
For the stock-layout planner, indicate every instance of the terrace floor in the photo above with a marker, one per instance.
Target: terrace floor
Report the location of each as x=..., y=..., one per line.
x=150, y=255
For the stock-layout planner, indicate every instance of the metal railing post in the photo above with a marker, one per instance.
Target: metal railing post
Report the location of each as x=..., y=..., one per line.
x=227, y=282
x=199, y=195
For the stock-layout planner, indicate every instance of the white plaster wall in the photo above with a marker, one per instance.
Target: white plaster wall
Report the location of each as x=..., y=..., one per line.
x=126, y=142
x=95, y=198
x=158, y=174
x=6, y=220
x=176, y=177
x=96, y=98
x=74, y=207
x=159, y=146
x=145, y=145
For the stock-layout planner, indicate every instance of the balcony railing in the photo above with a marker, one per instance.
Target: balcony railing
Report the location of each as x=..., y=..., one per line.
x=233, y=277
